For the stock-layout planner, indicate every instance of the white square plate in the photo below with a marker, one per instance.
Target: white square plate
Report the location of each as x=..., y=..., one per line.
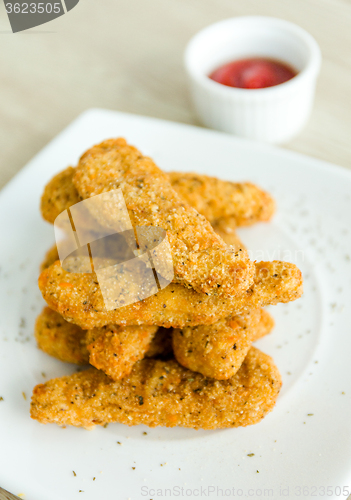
x=302, y=449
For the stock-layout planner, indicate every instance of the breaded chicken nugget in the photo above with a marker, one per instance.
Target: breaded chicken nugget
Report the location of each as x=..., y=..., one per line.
x=50, y=258
x=77, y=297
x=218, y=350
x=264, y=326
x=242, y=203
x=60, y=339
x=238, y=203
x=59, y=194
x=227, y=233
x=112, y=349
x=69, y=343
x=201, y=259
x=115, y=349
x=161, y=393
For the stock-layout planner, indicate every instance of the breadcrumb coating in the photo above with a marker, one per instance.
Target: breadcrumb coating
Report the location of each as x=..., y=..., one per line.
x=50, y=258
x=115, y=349
x=226, y=230
x=238, y=203
x=201, y=259
x=214, y=303
x=242, y=202
x=218, y=350
x=60, y=339
x=227, y=233
x=69, y=343
x=59, y=194
x=265, y=325
x=161, y=393
x=77, y=297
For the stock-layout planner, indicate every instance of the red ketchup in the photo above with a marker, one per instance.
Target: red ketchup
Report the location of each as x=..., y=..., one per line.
x=253, y=73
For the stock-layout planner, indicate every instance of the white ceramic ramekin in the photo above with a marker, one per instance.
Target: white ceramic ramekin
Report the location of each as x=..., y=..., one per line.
x=273, y=114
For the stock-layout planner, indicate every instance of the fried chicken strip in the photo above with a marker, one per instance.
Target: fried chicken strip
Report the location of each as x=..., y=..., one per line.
x=227, y=233
x=113, y=349
x=217, y=351
x=59, y=195
x=50, y=258
x=241, y=203
x=60, y=339
x=238, y=203
x=77, y=297
x=161, y=393
x=265, y=325
x=201, y=259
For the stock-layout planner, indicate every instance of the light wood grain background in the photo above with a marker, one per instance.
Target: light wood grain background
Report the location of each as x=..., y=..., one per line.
x=5, y=495
x=127, y=55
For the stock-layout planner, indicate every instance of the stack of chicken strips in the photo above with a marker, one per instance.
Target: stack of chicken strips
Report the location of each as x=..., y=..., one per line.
x=183, y=356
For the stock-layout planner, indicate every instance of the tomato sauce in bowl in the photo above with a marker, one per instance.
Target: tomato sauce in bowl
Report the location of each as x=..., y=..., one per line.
x=253, y=73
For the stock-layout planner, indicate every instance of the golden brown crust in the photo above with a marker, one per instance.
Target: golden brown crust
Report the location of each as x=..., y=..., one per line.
x=264, y=326
x=226, y=230
x=59, y=194
x=60, y=339
x=50, y=258
x=242, y=202
x=201, y=259
x=71, y=344
x=77, y=297
x=218, y=350
x=115, y=349
x=227, y=233
x=161, y=393
x=214, y=279
x=238, y=203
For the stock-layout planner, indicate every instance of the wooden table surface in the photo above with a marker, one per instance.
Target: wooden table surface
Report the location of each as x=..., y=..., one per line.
x=128, y=55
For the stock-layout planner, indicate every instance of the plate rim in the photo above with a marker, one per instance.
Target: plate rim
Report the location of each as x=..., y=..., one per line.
x=316, y=163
